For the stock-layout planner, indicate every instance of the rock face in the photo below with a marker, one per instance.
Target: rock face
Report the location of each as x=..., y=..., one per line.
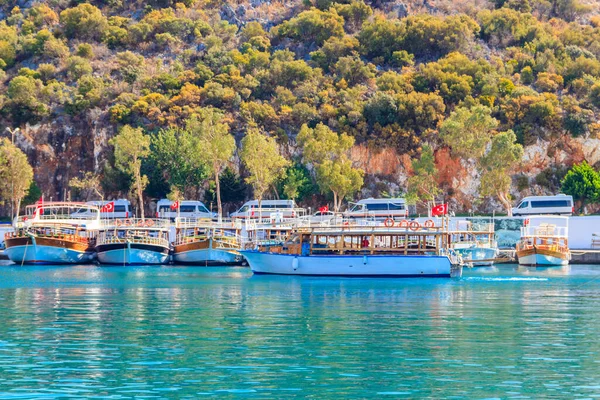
x=64, y=149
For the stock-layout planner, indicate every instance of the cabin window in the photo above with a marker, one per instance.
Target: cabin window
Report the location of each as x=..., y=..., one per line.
x=524, y=204
x=550, y=203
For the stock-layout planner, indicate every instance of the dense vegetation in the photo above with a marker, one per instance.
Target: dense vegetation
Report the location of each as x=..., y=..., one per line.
x=479, y=85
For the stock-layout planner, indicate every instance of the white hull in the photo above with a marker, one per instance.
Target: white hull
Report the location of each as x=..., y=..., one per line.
x=203, y=256
x=352, y=265
x=132, y=256
x=36, y=254
x=541, y=259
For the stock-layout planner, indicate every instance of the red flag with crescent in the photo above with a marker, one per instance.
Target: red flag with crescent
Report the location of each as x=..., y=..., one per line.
x=108, y=207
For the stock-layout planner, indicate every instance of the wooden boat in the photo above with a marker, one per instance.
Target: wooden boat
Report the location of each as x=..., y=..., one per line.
x=412, y=251
x=475, y=243
x=205, y=242
x=134, y=242
x=544, y=241
x=54, y=233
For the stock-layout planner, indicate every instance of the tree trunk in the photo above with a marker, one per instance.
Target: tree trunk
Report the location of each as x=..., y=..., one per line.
x=218, y=189
x=504, y=200
x=17, y=207
x=140, y=195
x=336, y=207
x=259, y=208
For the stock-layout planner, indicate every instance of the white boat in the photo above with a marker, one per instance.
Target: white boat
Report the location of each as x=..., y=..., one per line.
x=544, y=241
x=54, y=233
x=134, y=242
x=204, y=242
x=359, y=251
x=474, y=242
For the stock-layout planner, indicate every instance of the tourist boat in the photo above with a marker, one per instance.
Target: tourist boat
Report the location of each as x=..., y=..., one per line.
x=544, y=241
x=411, y=251
x=204, y=242
x=475, y=242
x=54, y=233
x=134, y=242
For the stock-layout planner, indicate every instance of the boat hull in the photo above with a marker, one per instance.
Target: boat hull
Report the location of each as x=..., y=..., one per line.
x=478, y=256
x=31, y=250
x=132, y=254
x=207, y=256
x=352, y=265
x=204, y=252
x=537, y=256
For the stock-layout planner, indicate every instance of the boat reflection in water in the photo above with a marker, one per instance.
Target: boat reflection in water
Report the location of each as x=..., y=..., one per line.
x=54, y=233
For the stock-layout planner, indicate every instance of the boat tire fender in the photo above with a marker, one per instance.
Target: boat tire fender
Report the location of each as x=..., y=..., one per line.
x=295, y=263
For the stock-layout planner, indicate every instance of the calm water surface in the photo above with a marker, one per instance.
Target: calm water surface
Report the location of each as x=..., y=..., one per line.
x=181, y=332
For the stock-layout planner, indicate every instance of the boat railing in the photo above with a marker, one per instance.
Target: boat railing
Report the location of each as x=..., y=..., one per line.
x=142, y=239
x=60, y=233
x=545, y=230
x=137, y=223
x=222, y=239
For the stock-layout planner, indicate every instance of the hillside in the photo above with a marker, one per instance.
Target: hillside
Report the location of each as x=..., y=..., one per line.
x=398, y=77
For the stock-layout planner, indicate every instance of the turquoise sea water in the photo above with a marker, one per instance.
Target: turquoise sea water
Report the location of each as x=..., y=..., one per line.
x=185, y=332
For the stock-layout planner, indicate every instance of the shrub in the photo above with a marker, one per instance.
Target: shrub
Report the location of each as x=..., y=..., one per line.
x=77, y=67
x=85, y=50
x=84, y=22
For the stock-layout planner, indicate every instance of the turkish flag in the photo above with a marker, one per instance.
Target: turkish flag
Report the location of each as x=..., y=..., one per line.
x=38, y=205
x=108, y=207
x=441, y=209
x=324, y=209
x=175, y=205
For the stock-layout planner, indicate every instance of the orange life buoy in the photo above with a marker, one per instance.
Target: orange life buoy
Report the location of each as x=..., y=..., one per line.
x=389, y=222
x=429, y=223
x=346, y=223
x=414, y=225
x=128, y=222
x=149, y=222
x=118, y=222
x=404, y=224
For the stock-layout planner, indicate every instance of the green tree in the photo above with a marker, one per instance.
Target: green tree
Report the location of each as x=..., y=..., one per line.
x=175, y=157
x=89, y=184
x=583, y=183
x=261, y=157
x=16, y=175
x=468, y=131
x=131, y=148
x=496, y=167
x=329, y=154
x=296, y=182
x=214, y=143
x=422, y=184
